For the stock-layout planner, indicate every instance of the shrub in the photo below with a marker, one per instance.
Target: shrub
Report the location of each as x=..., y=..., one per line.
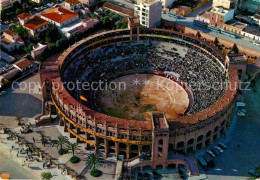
x=46, y=175
x=95, y=172
x=74, y=159
x=62, y=151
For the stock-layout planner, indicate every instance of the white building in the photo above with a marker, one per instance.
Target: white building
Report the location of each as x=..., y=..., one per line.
x=60, y=16
x=6, y=4
x=251, y=33
x=68, y=22
x=228, y=4
x=34, y=24
x=149, y=12
x=10, y=40
x=167, y=3
x=23, y=65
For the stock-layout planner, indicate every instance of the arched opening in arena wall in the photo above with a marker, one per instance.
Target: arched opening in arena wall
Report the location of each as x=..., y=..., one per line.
x=172, y=166
x=159, y=167
x=122, y=146
x=222, y=130
x=223, y=123
x=147, y=168
x=190, y=149
x=123, y=153
x=170, y=148
x=133, y=155
x=190, y=142
x=111, y=144
x=134, y=147
x=145, y=152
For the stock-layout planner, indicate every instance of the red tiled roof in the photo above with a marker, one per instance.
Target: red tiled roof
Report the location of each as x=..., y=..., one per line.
x=23, y=63
x=9, y=32
x=59, y=14
x=23, y=16
x=35, y=23
x=72, y=2
x=119, y=9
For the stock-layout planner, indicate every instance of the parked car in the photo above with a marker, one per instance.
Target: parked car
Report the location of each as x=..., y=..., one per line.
x=223, y=146
x=155, y=175
x=209, y=160
x=240, y=113
x=146, y=176
x=203, y=163
x=252, y=172
x=139, y=175
x=219, y=149
x=256, y=43
x=2, y=93
x=215, y=151
x=211, y=153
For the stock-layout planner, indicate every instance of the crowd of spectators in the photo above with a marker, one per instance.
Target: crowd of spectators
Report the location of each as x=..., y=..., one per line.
x=196, y=68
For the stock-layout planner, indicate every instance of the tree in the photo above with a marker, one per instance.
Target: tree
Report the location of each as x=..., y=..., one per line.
x=124, y=25
x=119, y=25
x=95, y=161
x=47, y=39
x=235, y=48
x=73, y=147
x=46, y=175
x=198, y=34
x=19, y=119
x=107, y=12
x=105, y=20
x=61, y=141
x=216, y=41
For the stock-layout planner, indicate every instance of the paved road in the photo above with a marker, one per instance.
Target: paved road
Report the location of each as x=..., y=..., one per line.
x=188, y=21
x=235, y=162
x=15, y=170
x=21, y=101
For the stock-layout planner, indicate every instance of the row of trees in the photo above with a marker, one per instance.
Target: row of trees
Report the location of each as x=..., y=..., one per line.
x=64, y=146
x=19, y=8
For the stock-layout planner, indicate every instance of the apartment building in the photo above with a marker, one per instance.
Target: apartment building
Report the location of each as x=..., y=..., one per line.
x=149, y=12
x=6, y=4
x=227, y=4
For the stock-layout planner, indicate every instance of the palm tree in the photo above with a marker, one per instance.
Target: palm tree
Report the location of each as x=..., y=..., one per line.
x=95, y=161
x=19, y=119
x=73, y=147
x=61, y=141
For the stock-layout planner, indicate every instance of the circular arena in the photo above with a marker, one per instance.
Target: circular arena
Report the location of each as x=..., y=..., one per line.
x=145, y=94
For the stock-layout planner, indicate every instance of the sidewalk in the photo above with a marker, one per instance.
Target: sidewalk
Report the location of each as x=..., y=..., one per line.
x=35, y=168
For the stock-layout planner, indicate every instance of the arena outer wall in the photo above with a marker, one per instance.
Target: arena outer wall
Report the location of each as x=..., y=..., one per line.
x=129, y=137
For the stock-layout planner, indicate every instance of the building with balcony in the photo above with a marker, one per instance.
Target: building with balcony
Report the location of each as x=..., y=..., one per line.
x=149, y=12
x=60, y=16
x=34, y=24
x=10, y=40
x=6, y=4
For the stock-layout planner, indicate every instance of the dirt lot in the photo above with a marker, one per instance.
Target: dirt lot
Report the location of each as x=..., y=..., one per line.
x=137, y=96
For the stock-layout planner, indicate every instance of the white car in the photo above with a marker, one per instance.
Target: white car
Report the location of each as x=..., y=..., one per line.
x=2, y=93
x=256, y=43
x=240, y=113
x=219, y=149
x=211, y=154
x=222, y=145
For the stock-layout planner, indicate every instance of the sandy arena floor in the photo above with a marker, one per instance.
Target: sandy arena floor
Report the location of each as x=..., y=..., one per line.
x=137, y=96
